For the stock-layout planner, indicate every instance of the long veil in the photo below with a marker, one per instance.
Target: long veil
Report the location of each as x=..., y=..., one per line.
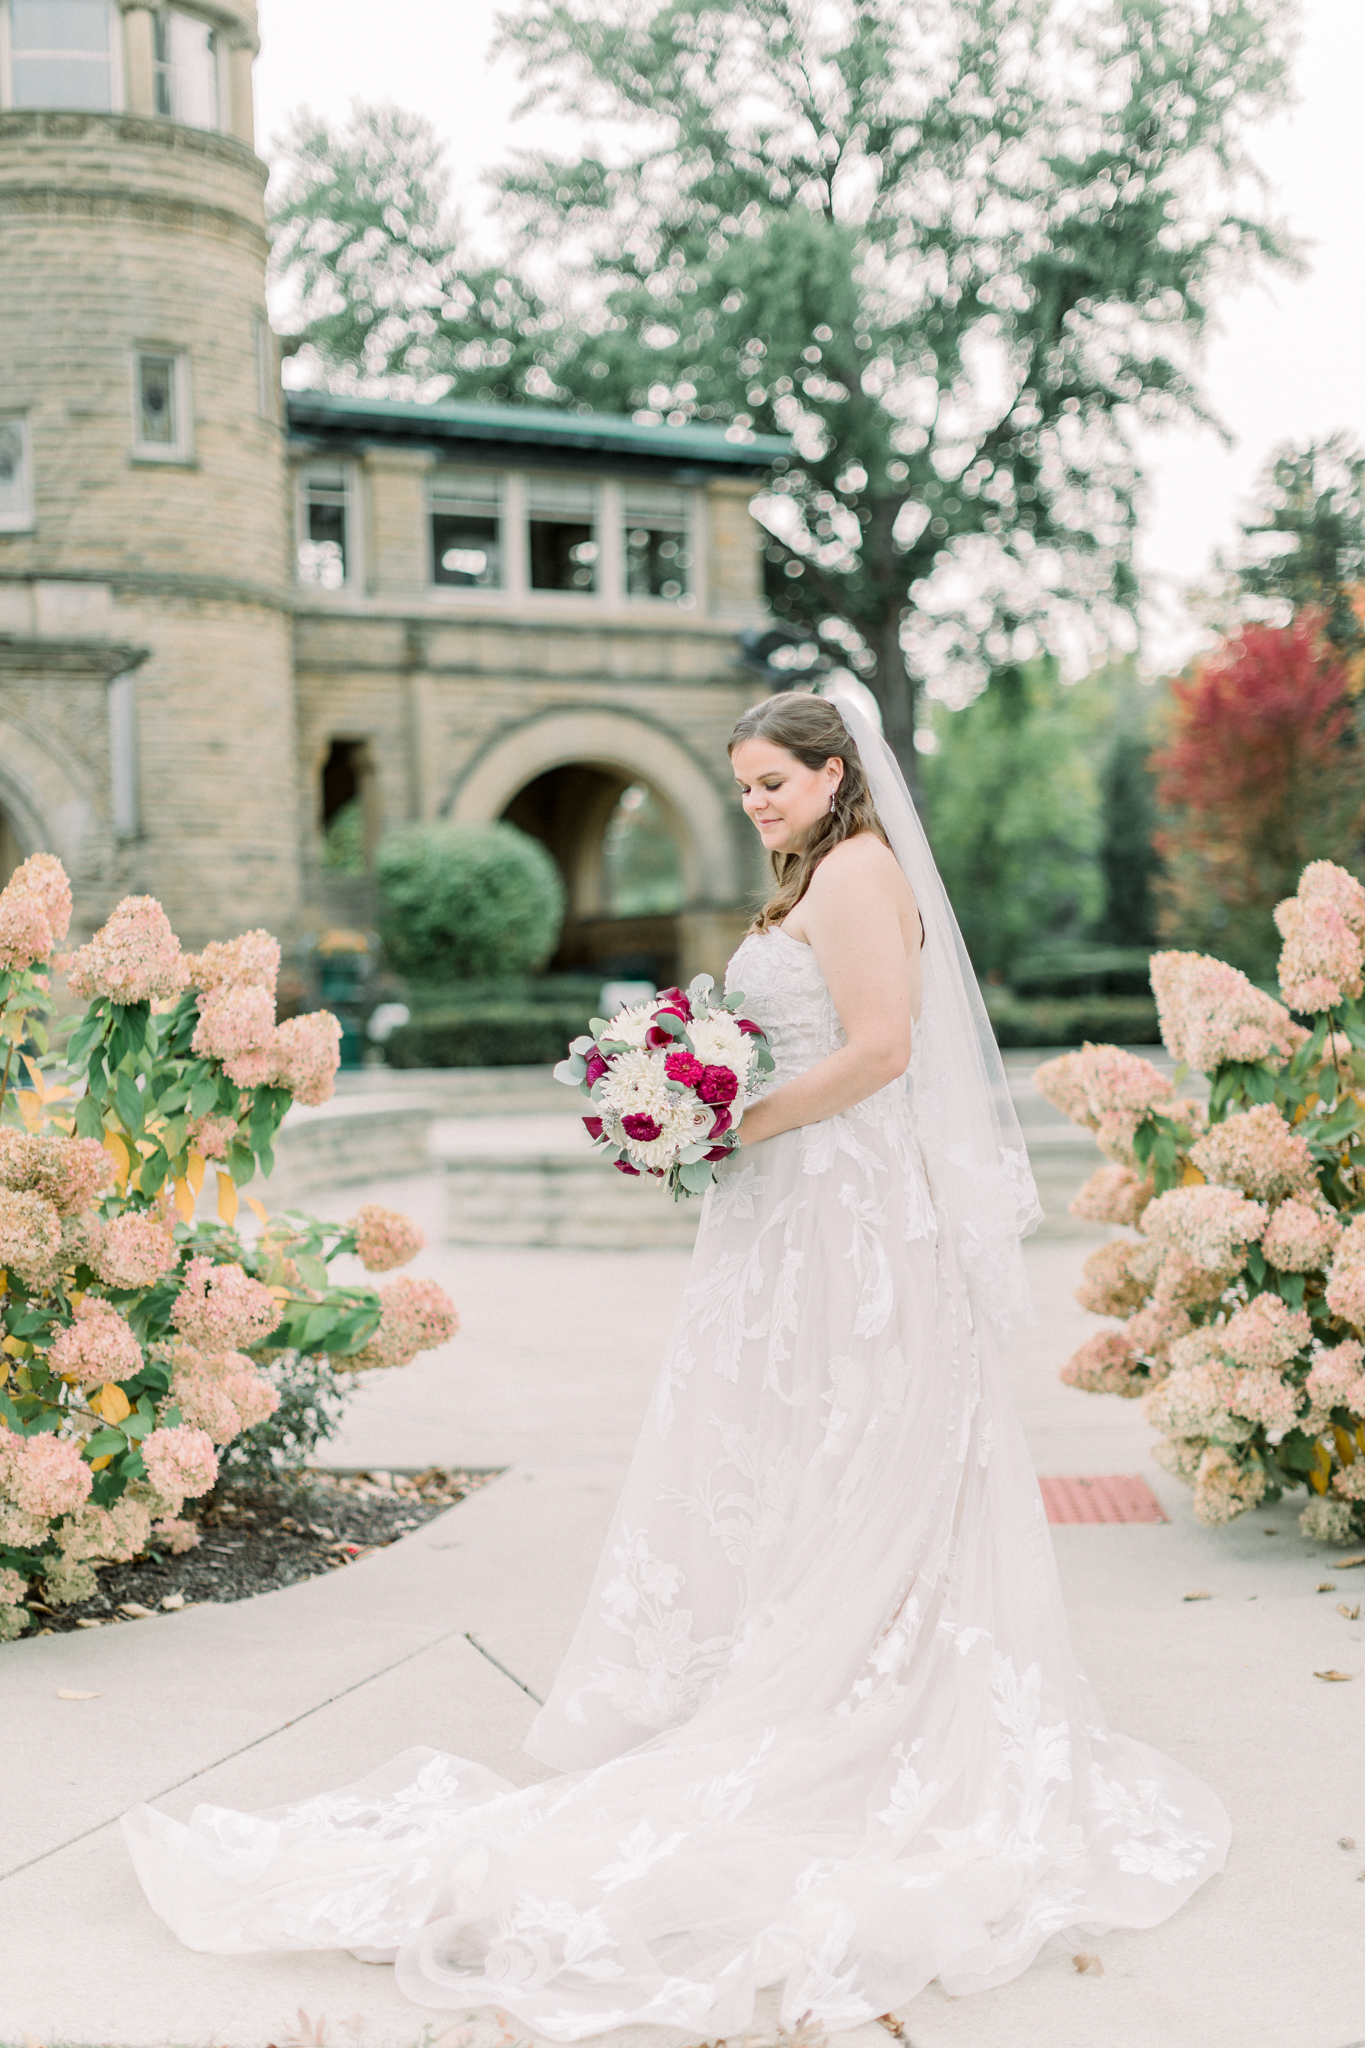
x=967, y=1124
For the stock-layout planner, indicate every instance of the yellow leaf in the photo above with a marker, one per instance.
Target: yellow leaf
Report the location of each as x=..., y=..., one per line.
x=4, y=1283
x=117, y=1149
x=259, y=1209
x=194, y=1172
x=227, y=1198
x=98, y=1464
x=1191, y=1177
x=184, y=1201
x=112, y=1403
x=1346, y=1448
x=29, y=1110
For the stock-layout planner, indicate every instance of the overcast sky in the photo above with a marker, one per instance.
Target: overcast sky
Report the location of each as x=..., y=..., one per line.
x=1289, y=360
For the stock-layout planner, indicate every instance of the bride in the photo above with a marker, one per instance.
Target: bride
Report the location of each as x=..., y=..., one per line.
x=821, y=1723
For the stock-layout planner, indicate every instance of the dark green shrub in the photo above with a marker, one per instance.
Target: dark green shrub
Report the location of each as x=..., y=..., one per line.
x=460, y=902
x=502, y=1034
x=1071, y=1020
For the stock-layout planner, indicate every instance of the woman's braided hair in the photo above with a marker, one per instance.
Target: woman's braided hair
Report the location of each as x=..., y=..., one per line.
x=812, y=730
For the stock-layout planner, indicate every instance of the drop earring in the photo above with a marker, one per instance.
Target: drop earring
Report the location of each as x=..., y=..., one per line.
x=832, y=796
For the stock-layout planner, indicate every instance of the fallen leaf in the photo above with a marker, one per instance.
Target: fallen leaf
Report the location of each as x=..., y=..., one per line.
x=1328, y=1586
x=1345, y=1564
x=1337, y=1677
x=1084, y=1963
x=173, y=1602
x=63, y=1694
x=135, y=1610
x=1196, y=1596
x=87, y=1623
x=892, y=2025
x=1351, y=1613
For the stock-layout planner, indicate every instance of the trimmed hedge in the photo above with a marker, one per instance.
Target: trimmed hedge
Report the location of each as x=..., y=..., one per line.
x=1071, y=1020
x=506, y=1034
x=462, y=901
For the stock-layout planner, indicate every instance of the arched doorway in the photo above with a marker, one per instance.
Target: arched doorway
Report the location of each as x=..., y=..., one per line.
x=617, y=845
x=12, y=849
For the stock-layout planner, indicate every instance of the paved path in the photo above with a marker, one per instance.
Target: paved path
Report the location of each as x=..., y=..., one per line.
x=285, y=1695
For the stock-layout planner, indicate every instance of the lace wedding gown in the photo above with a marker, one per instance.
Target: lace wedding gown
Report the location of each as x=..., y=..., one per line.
x=821, y=1721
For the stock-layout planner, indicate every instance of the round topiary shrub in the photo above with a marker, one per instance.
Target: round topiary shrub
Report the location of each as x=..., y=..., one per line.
x=467, y=902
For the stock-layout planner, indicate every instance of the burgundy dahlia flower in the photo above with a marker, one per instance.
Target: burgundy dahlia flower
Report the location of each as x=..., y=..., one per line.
x=684, y=1067
x=642, y=1128
x=717, y=1084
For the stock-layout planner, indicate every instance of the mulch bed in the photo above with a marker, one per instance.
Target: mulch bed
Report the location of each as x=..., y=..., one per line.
x=254, y=1539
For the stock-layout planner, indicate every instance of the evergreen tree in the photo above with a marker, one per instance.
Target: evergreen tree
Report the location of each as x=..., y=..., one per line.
x=1129, y=862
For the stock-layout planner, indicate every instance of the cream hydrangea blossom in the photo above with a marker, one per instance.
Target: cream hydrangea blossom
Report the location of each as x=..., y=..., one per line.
x=1346, y=1275
x=1257, y=1151
x=1212, y=1226
x=1224, y=1488
x=1115, y=1194
x=1209, y=1013
x=1110, y=1287
x=1266, y=1332
x=1321, y=959
x=1301, y=1236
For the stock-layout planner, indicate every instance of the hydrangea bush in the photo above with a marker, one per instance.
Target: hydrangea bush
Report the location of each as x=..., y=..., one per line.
x=139, y=1342
x=1240, y=1304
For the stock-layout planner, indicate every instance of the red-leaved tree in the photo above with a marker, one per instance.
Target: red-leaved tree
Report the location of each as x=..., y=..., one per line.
x=1261, y=772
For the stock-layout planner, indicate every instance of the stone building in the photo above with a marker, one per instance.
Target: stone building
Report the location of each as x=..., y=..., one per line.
x=228, y=617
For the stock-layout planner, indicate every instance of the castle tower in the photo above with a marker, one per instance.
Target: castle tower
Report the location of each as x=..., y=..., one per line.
x=147, y=729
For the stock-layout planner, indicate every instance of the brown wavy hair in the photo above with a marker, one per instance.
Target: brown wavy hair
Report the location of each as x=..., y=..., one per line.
x=812, y=730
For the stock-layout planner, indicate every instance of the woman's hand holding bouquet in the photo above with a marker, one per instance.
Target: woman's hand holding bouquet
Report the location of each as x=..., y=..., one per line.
x=668, y=1079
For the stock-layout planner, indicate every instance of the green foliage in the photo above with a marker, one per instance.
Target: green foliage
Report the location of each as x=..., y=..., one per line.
x=1071, y=1020
x=1308, y=542
x=1015, y=807
x=521, y=1033
x=313, y=1397
x=343, y=843
x=1129, y=861
x=467, y=901
x=953, y=251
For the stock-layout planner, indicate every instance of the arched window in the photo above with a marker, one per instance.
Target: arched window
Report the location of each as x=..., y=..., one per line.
x=62, y=53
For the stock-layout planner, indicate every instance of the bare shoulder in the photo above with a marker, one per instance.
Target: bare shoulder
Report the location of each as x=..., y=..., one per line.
x=856, y=866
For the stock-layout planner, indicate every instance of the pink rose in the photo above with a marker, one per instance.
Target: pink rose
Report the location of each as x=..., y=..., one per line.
x=684, y=1067
x=642, y=1128
x=717, y=1084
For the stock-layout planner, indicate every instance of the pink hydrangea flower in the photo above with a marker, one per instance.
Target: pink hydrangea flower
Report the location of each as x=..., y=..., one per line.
x=30, y=1236
x=1108, y=1090
x=1337, y=1380
x=1195, y=1398
x=416, y=1315
x=1154, y=1329
x=307, y=1055
x=181, y=1463
x=1323, y=880
x=1115, y=1194
x=44, y=1475
x=178, y=1536
x=1212, y=1226
x=210, y=1136
x=1110, y=1287
x=1062, y=1083
x=131, y=959
x=1301, y=1237
x=250, y=961
x=1263, y=1396
x=384, y=1238
x=12, y=1589
x=115, y=1534
x=251, y=1394
x=133, y=1250
x=1210, y=1013
x=1105, y=1364
x=1223, y=1488
x=1321, y=958
x=42, y=876
x=221, y=1308
x=1266, y=1332
x=237, y=1027
x=25, y=932
x=204, y=1401
x=68, y=1172
x=97, y=1346
x=1346, y=1277
x=1257, y=1151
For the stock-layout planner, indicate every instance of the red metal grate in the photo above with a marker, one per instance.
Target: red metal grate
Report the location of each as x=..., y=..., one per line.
x=1116, y=1497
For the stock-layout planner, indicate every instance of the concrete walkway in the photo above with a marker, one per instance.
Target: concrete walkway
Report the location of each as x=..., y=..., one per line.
x=282, y=1696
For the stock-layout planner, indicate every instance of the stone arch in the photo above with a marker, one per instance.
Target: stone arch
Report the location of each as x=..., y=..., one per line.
x=48, y=810
x=635, y=747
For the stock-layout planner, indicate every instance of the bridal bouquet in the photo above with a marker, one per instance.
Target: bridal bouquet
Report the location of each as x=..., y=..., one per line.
x=667, y=1078
x=1242, y=1299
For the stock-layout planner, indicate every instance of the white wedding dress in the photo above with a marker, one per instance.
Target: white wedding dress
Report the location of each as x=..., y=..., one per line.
x=822, y=1722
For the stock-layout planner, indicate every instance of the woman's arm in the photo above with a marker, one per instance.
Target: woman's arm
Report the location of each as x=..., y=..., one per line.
x=854, y=917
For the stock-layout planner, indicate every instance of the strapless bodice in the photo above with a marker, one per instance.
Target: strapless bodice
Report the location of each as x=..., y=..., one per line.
x=785, y=992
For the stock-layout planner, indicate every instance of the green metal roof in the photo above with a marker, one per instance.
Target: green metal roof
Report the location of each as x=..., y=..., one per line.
x=328, y=416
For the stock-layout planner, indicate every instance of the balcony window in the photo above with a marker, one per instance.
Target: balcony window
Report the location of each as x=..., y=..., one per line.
x=324, y=526
x=185, y=68
x=161, y=419
x=61, y=54
x=466, y=530
x=561, y=530
x=16, y=474
x=658, y=554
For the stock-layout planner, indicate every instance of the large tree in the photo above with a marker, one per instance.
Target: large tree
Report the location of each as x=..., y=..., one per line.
x=958, y=250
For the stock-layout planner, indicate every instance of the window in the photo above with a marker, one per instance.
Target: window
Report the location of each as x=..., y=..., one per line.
x=62, y=54
x=324, y=537
x=658, y=557
x=185, y=68
x=466, y=530
x=161, y=425
x=562, y=534
x=16, y=474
